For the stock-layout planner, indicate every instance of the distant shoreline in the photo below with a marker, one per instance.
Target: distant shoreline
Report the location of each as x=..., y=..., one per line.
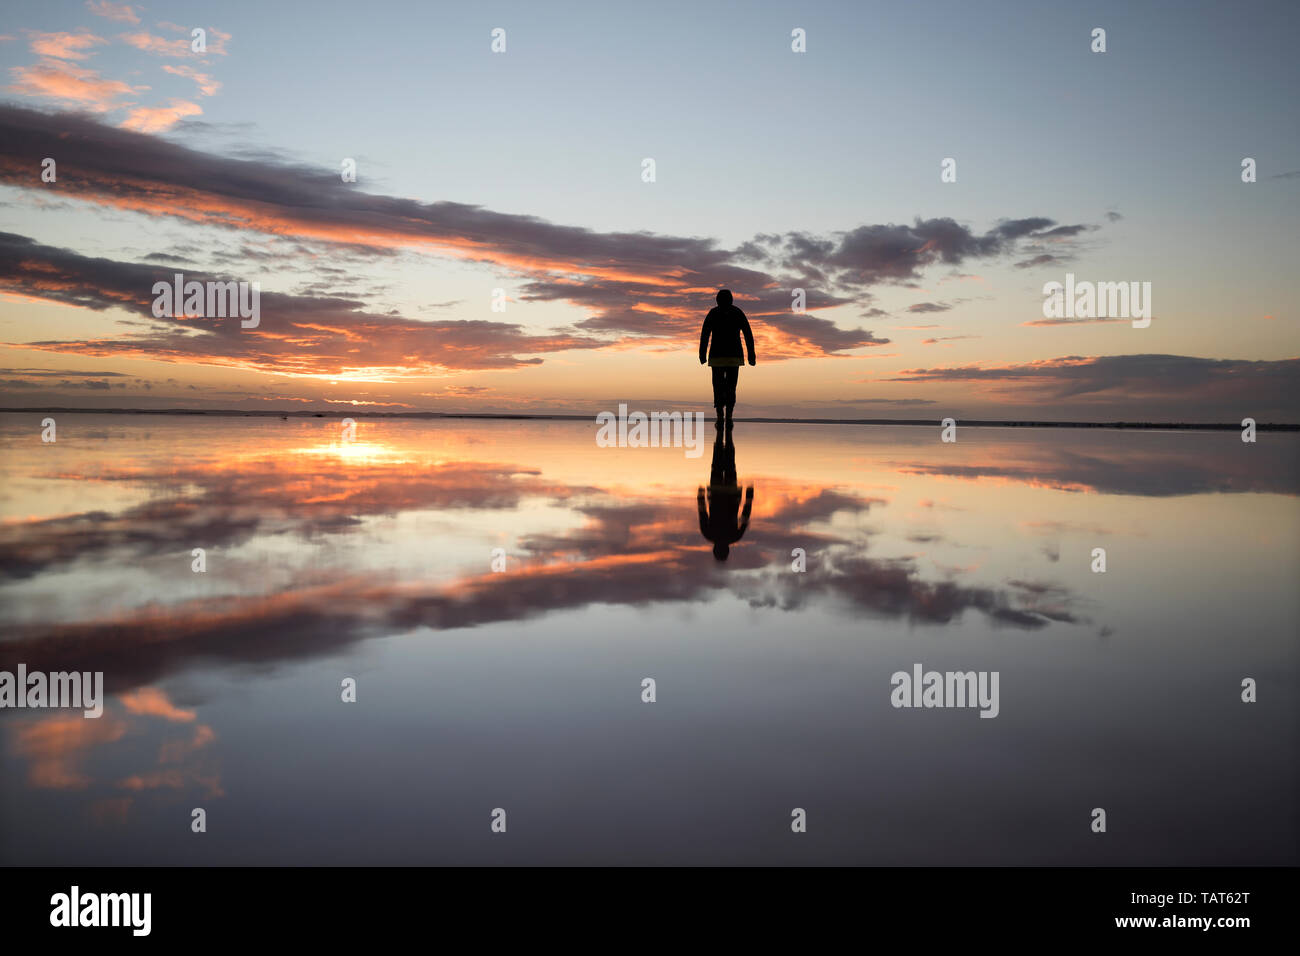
x=503, y=416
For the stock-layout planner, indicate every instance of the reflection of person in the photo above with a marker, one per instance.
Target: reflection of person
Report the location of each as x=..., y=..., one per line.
x=718, y=506
x=725, y=323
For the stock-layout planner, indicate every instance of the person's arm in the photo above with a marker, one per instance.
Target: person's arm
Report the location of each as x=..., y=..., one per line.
x=744, y=514
x=704, y=513
x=704, y=335
x=749, y=336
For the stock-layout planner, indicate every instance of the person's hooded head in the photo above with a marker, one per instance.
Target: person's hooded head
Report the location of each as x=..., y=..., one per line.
x=724, y=297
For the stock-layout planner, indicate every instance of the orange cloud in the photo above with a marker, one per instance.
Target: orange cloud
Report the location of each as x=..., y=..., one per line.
x=207, y=85
x=56, y=80
x=56, y=746
x=113, y=11
x=638, y=290
x=214, y=42
x=153, y=702
x=154, y=119
x=159, y=46
x=176, y=750
x=217, y=41
x=65, y=46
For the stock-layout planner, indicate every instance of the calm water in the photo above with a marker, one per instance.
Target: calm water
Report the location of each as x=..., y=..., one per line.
x=522, y=689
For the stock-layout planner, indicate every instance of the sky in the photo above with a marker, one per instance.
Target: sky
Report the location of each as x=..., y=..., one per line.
x=523, y=171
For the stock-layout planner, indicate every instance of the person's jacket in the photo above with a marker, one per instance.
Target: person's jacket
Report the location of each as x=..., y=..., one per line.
x=725, y=323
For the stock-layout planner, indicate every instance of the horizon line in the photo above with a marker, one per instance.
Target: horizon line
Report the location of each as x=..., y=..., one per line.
x=526, y=416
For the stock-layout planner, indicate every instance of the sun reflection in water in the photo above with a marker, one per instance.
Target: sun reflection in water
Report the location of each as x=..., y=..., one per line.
x=357, y=451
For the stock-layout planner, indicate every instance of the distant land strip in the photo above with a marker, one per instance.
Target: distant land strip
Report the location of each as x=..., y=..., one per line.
x=510, y=416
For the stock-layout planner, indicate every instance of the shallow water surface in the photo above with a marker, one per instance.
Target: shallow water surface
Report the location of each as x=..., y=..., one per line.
x=499, y=591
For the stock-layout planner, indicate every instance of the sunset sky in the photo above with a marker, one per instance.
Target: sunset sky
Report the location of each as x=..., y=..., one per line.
x=775, y=170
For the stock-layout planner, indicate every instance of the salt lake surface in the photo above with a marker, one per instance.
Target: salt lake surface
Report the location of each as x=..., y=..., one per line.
x=500, y=590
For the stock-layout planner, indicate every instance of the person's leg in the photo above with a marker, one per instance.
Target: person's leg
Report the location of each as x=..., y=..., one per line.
x=732, y=379
x=719, y=390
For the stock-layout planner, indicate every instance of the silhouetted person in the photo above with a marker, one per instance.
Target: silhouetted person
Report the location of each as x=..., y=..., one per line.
x=725, y=322
x=718, y=506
